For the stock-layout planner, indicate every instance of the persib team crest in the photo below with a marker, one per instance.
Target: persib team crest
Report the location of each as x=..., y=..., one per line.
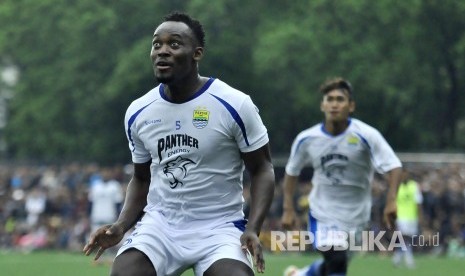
x=200, y=117
x=353, y=140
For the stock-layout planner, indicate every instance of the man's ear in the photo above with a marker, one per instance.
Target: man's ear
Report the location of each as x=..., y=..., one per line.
x=198, y=53
x=351, y=106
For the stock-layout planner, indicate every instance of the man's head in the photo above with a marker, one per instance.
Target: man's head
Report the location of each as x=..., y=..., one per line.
x=337, y=83
x=337, y=103
x=177, y=46
x=192, y=23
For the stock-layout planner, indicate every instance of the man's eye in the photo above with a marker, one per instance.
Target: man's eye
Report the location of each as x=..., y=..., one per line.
x=156, y=45
x=175, y=44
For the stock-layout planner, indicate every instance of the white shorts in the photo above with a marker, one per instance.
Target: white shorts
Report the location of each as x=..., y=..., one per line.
x=407, y=227
x=329, y=235
x=172, y=251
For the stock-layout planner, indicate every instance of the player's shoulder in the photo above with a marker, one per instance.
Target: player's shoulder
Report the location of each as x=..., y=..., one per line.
x=221, y=90
x=360, y=126
x=144, y=100
x=311, y=132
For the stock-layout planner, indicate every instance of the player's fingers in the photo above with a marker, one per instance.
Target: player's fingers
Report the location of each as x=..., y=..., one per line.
x=99, y=253
x=258, y=257
x=90, y=243
x=246, y=242
x=389, y=220
x=386, y=221
x=89, y=249
x=287, y=221
x=287, y=224
x=388, y=225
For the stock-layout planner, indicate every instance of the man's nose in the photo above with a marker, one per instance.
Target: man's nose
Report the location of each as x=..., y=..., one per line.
x=163, y=50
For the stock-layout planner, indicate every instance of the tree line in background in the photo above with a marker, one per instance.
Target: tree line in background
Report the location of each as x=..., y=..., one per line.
x=82, y=62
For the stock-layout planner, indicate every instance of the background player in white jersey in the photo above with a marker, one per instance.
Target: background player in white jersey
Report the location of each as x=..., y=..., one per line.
x=105, y=199
x=190, y=139
x=106, y=196
x=343, y=152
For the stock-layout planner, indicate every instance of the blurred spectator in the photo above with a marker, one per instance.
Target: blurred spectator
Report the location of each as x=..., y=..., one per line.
x=35, y=205
x=409, y=200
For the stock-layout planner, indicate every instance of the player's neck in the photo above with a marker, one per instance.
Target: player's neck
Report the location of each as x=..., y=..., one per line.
x=336, y=127
x=183, y=90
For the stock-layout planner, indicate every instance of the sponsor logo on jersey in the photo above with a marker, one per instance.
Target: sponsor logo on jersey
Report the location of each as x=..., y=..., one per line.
x=176, y=170
x=176, y=143
x=151, y=122
x=200, y=117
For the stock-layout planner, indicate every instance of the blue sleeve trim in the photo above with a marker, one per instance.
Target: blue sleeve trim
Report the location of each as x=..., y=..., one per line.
x=235, y=116
x=299, y=144
x=131, y=121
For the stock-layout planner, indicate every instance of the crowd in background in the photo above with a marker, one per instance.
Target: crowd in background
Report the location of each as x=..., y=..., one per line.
x=48, y=206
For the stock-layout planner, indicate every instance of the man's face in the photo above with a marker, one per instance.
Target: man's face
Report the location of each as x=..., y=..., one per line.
x=174, y=52
x=337, y=106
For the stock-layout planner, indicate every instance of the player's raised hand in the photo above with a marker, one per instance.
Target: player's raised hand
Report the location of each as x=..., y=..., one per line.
x=251, y=245
x=288, y=219
x=105, y=237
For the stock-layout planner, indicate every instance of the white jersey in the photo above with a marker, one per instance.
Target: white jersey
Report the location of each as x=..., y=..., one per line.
x=105, y=196
x=195, y=151
x=343, y=169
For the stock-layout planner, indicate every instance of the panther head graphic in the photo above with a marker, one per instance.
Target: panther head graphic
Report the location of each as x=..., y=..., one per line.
x=176, y=170
x=335, y=173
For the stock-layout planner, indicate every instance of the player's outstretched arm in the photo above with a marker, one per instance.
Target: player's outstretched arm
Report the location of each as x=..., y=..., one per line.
x=260, y=168
x=134, y=203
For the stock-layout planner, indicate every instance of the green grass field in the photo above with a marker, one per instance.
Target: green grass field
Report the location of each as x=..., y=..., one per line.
x=51, y=263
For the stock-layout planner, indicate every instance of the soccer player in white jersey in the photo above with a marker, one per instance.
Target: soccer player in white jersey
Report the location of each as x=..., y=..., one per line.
x=343, y=153
x=105, y=199
x=191, y=138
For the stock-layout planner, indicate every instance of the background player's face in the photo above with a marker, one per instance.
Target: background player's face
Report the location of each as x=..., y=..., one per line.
x=337, y=106
x=174, y=53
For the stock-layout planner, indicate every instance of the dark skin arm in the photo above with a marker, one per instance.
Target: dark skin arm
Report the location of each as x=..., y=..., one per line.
x=259, y=166
x=134, y=203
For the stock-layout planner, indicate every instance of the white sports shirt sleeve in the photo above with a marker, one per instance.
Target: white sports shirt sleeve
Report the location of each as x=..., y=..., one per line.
x=195, y=151
x=343, y=169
